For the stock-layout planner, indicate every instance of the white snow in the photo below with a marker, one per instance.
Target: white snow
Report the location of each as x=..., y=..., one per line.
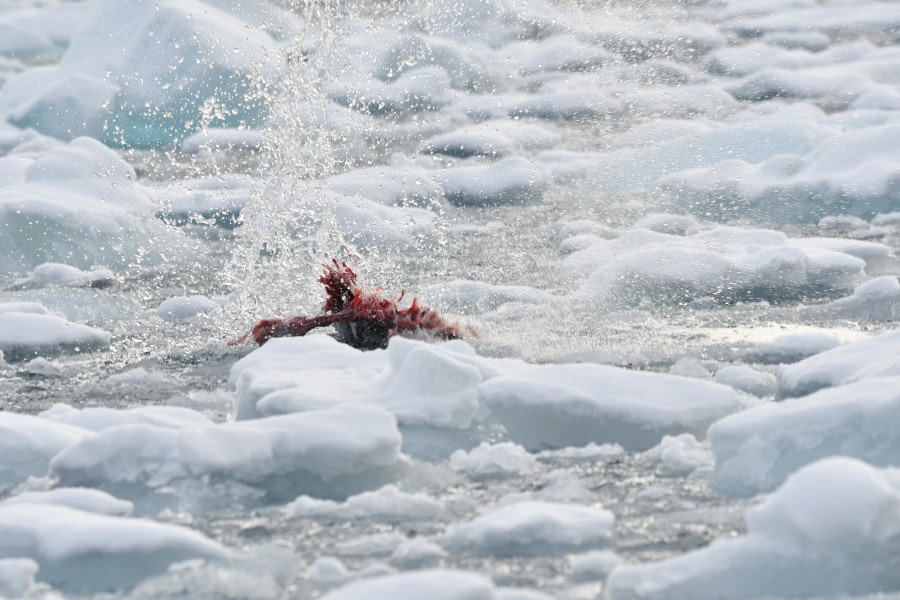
x=327, y=453
x=679, y=455
x=447, y=385
x=98, y=418
x=71, y=204
x=84, y=499
x=435, y=584
x=748, y=379
x=493, y=461
x=828, y=530
x=70, y=544
x=131, y=56
x=178, y=308
x=511, y=180
x=387, y=504
x=138, y=376
x=792, y=348
x=27, y=444
x=49, y=274
x=17, y=576
x=532, y=529
x=856, y=361
x=757, y=449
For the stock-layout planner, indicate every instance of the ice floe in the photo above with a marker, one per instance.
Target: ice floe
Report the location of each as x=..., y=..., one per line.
x=179, y=308
x=28, y=443
x=49, y=274
x=437, y=584
x=329, y=453
x=533, y=528
x=70, y=204
x=758, y=448
x=129, y=57
x=857, y=361
x=25, y=335
x=448, y=385
x=17, y=576
x=829, y=529
x=69, y=545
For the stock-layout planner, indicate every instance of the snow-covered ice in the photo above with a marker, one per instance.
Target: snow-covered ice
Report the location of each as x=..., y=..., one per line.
x=533, y=528
x=829, y=529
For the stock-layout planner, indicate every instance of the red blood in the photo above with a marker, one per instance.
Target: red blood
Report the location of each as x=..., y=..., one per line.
x=361, y=318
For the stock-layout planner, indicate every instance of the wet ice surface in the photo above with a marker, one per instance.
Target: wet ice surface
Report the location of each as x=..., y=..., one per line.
x=662, y=219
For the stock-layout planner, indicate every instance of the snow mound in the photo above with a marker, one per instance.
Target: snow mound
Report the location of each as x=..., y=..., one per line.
x=748, y=379
x=25, y=335
x=759, y=448
x=78, y=204
x=511, y=180
x=119, y=80
x=494, y=139
x=572, y=405
x=830, y=529
x=50, y=274
x=727, y=264
x=86, y=552
x=447, y=385
x=493, y=461
x=679, y=455
x=875, y=300
x=27, y=444
x=329, y=453
x=16, y=576
x=873, y=357
x=84, y=499
x=533, y=529
x=386, y=505
x=791, y=348
x=98, y=418
x=436, y=584
x=846, y=174
x=179, y=308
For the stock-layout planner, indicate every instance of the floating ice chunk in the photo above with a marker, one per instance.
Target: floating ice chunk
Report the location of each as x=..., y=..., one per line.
x=569, y=405
x=792, y=348
x=638, y=40
x=419, y=383
x=593, y=566
x=85, y=499
x=27, y=444
x=387, y=505
x=592, y=452
x=829, y=530
x=866, y=359
x=758, y=448
x=117, y=81
x=24, y=335
x=85, y=552
x=467, y=297
x=327, y=572
x=424, y=89
x=493, y=461
x=179, y=308
x=325, y=453
x=71, y=204
x=43, y=368
x=436, y=584
x=403, y=182
x=556, y=53
x=17, y=576
x=747, y=379
x=874, y=300
x=845, y=174
x=493, y=138
x=98, y=418
x=371, y=546
x=725, y=263
x=680, y=455
x=49, y=274
x=511, y=180
x=533, y=529
x=417, y=553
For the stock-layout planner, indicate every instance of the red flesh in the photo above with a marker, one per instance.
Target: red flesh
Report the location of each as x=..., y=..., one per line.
x=346, y=303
